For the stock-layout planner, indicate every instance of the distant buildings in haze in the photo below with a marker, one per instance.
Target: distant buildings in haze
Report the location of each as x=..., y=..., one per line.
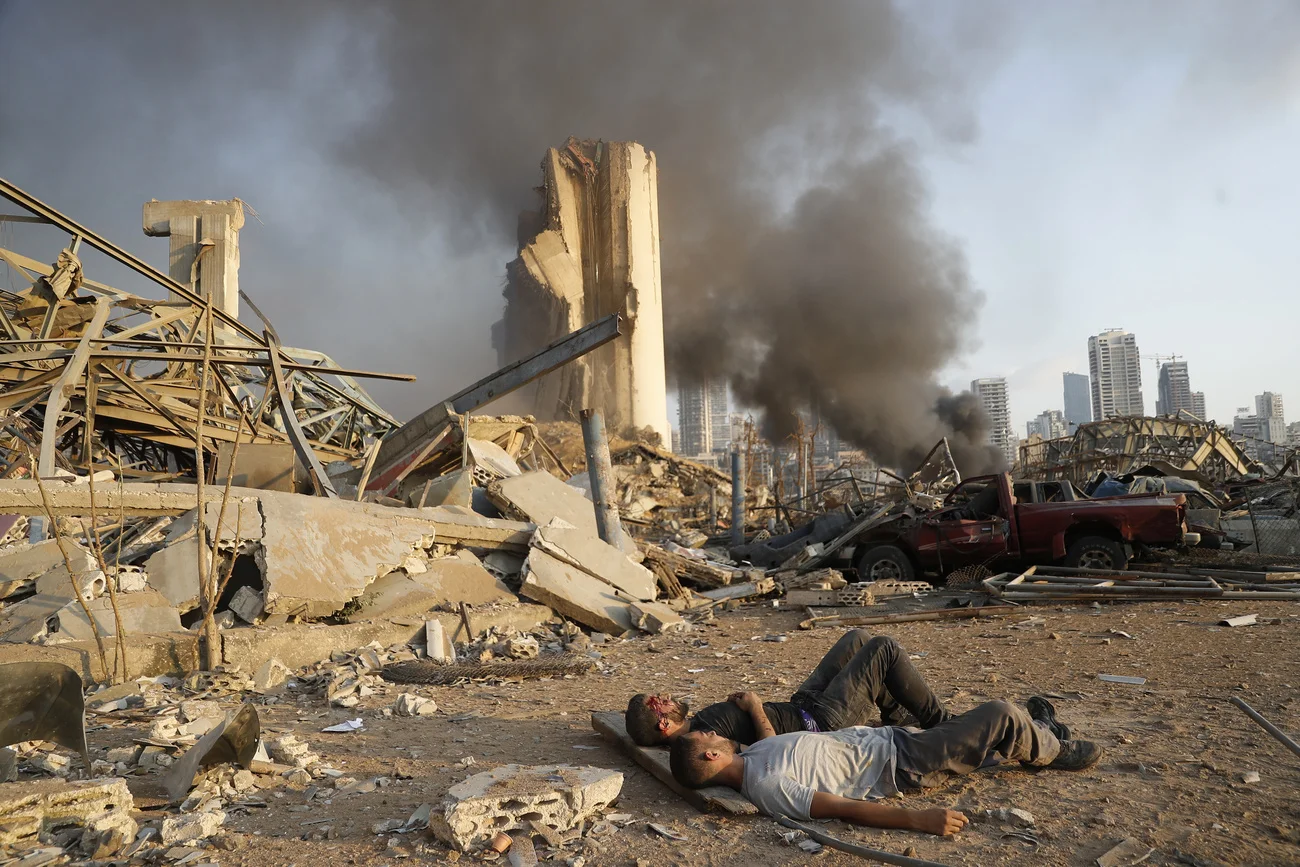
x=992, y=394
x=1078, y=400
x=1115, y=366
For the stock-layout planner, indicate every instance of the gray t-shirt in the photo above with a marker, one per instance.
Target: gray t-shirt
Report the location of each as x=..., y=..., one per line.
x=783, y=772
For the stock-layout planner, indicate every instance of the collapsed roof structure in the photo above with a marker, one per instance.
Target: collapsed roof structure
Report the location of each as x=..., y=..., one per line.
x=1124, y=444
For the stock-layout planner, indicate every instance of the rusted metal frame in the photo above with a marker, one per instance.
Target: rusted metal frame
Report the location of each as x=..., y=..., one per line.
x=348, y=413
x=153, y=404
x=234, y=399
x=436, y=442
x=294, y=430
x=67, y=381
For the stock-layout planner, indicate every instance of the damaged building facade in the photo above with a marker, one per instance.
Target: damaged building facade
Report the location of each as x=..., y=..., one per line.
x=590, y=251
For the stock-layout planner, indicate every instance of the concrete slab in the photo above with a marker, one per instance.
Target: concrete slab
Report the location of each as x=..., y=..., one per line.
x=461, y=525
x=299, y=644
x=598, y=559
x=145, y=613
x=574, y=593
x=27, y=563
x=243, y=519
x=510, y=797
x=453, y=489
x=174, y=572
x=447, y=580
x=30, y=619
x=146, y=655
x=317, y=554
x=656, y=617
x=493, y=458
x=539, y=496
x=23, y=497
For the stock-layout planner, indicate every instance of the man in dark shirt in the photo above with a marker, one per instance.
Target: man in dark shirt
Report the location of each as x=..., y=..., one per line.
x=859, y=675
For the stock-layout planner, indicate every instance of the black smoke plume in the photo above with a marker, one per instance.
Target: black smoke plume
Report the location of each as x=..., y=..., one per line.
x=799, y=258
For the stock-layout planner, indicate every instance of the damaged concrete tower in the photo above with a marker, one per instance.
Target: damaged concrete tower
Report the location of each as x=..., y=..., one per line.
x=204, y=246
x=592, y=250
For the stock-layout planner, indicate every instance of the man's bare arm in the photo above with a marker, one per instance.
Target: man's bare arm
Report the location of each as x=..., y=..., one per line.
x=753, y=705
x=937, y=821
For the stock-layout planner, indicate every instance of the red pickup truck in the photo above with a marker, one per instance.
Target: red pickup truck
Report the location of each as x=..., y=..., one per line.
x=984, y=522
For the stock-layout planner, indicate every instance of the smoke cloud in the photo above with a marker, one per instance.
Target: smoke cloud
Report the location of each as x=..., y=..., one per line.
x=799, y=257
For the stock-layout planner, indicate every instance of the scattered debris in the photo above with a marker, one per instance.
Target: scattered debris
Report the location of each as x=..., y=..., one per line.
x=351, y=725
x=1122, y=678
x=1242, y=620
x=434, y=674
x=1124, y=854
x=408, y=704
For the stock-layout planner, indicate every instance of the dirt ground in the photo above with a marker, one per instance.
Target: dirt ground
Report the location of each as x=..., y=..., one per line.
x=1171, y=778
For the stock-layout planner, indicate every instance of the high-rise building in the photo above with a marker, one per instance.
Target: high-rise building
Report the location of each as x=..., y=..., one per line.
x=992, y=393
x=1246, y=430
x=1272, y=424
x=1293, y=434
x=1049, y=425
x=1078, y=401
x=719, y=415
x=1174, y=392
x=1116, y=369
x=694, y=420
x=1198, y=405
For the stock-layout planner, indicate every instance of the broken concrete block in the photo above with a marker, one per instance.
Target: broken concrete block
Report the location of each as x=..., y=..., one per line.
x=656, y=617
x=8, y=765
x=503, y=564
x=414, y=565
x=270, y=675
x=438, y=644
x=124, y=755
x=247, y=604
x=105, y=836
x=23, y=564
x=446, y=580
x=596, y=558
x=574, y=593
x=195, y=826
x=131, y=579
x=408, y=704
x=144, y=613
x=90, y=583
x=54, y=764
x=174, y=572
x=539, y=497
x=555, y=797
x=39, y=807
x=319, y=554
x=488, y=456
x=521, y=647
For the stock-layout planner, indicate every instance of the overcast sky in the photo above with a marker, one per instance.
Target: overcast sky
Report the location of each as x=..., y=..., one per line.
x=1130, y=165
x=1135, y=168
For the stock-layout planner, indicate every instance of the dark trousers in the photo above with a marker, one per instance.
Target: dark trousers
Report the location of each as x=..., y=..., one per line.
x=861, y=674
x=992, y=734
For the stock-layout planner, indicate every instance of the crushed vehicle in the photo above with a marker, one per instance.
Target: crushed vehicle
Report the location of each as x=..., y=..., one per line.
x=987, y=521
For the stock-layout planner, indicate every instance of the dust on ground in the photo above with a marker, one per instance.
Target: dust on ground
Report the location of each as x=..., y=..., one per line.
x=1171, y=776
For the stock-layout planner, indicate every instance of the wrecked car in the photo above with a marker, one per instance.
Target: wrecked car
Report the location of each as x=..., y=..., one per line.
x=985, y=521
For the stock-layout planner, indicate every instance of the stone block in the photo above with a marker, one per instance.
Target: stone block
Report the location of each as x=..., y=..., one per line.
x=90, y=583
x=656, y=617
x=318, y=554
x=540, y=497
x=557, y=797
x=23, y=564
x=438, y=644
x=195, y=826
x=598, y=559
x=409, y=704
x=247, y=604
x=40, y=807
x=574, y=593
x=144, y=613
x=174, y=572
x=270, y=675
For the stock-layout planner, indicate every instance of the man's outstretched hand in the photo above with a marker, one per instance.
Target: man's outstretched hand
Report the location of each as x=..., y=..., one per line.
x=941, y=822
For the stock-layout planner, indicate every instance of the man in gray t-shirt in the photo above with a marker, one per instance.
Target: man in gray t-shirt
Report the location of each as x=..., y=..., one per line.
x=836, y=775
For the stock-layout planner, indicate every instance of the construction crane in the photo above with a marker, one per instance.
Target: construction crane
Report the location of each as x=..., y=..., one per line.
x=1159, y=358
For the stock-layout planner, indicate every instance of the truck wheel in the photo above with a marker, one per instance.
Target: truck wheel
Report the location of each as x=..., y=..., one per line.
x=1097, y=552
x=885, y=563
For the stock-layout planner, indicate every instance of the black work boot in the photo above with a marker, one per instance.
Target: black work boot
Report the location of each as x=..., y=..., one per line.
x=1041, y=709
x=1076, y=756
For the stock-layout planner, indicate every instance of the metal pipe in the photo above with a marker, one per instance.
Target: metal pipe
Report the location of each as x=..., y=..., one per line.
x=737, y=498
x=854, y=849
x=601, y=473
x=1266, y=725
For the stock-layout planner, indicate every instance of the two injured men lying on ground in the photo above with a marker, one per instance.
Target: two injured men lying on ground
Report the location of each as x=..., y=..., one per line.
x=817, y=757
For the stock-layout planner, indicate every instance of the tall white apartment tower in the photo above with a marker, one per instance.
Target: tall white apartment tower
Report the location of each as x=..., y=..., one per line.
x=1116, y=369
x=992, y=392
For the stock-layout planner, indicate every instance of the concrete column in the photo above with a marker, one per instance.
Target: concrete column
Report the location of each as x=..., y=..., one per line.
x=604, y=493
x=737, y=498
x=204, y=246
